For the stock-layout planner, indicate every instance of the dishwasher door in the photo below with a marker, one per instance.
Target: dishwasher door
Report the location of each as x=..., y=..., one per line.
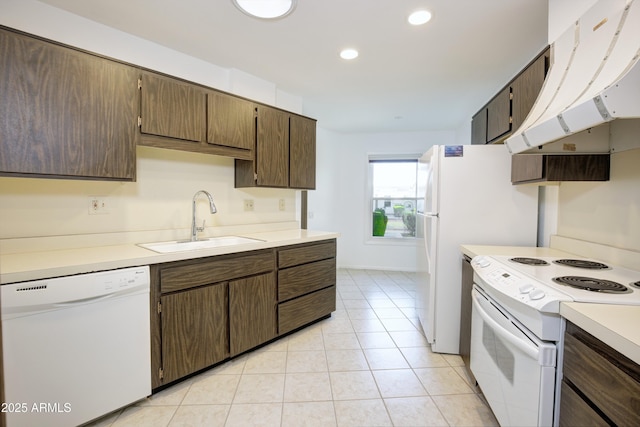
x=75, y=348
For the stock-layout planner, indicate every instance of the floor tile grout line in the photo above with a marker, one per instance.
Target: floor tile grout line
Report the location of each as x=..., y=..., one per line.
x=388, y=284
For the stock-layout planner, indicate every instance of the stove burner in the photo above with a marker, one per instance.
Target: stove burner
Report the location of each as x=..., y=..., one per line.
x=582, y=263
x=636, y=284
x=591, y=284
x=529, y=261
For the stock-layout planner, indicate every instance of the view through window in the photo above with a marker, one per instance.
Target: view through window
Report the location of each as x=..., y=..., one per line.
x=394, y=195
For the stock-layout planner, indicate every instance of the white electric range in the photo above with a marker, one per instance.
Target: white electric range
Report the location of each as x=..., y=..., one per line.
x=517, y=331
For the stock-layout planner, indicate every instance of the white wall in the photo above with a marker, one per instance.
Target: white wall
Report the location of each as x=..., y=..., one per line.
x=604, y=212
x=40, y=19
x=563, y=13
x=167, y=180
x=340, y=201
x=159, y=200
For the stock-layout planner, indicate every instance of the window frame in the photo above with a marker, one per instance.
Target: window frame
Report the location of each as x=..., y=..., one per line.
x=369, y=199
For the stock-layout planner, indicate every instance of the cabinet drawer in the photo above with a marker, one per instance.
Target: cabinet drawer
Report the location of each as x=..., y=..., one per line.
x=215, y=269
x=300, y=280
x=609, y=386
x=576, y=412
x=304, y=254
x=300, y=311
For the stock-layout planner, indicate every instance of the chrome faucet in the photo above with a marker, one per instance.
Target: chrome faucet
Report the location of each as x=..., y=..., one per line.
x=212, y=206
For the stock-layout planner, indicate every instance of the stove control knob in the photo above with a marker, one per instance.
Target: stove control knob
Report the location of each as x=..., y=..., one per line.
x=536, y=294
x=482, y=262
x=525, y=289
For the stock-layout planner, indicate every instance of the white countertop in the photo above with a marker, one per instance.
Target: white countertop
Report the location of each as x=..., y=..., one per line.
x=615, y=325
x=34, y=265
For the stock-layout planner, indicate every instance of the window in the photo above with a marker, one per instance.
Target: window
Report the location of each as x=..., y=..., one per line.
x=393, y=183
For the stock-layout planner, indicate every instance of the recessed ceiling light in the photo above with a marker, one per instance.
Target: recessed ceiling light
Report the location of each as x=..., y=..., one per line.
x=349, y=54
x=419, y=17
x=266, y=9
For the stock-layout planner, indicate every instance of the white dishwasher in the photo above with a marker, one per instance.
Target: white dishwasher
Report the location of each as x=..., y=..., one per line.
x=75, y=347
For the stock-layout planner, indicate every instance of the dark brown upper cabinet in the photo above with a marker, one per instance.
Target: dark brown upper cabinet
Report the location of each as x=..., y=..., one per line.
x=172, y=109
x=231, y=122
x=272, y=148
x=65, y=113
x=506, y=111
x=525, y=89
x=270, y=167
x=184, y=116
x=68, y=113
x=530, y=168
x=499, y=115
x=302, y=152
x=285, y=152
x=479, y=127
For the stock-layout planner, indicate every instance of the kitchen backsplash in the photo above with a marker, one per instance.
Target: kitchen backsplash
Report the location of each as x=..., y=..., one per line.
x=604, y=212
x=159, y=200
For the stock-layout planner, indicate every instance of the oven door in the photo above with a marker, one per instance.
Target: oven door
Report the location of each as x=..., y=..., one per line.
x=515, y=370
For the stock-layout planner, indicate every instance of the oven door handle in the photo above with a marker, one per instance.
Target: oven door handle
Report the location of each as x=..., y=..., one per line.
x=509, y=337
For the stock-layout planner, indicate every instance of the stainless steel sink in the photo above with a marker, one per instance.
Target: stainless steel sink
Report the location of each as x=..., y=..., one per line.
x=186, y=245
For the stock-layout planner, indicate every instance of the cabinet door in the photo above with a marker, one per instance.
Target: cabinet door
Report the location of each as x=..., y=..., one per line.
x=171, y=108
x=230, y=121
x=65, y=113
x=526, y=88
x=194, y=330
x=527, y=168
x=549, y=167
x=302, y=151
x=499, y=115
x=272, y=156
x=252, y=312
x=479, y=127
x=606, y=379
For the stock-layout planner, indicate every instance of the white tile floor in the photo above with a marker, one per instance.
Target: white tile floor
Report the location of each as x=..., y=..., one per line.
x=368, y=365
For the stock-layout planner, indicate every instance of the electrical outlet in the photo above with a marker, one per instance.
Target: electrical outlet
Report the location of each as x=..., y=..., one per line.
x=248, y=204
x=98, y=205
x=281, y=205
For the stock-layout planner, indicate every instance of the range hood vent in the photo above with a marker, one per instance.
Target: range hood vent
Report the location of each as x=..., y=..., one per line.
x=594, y=77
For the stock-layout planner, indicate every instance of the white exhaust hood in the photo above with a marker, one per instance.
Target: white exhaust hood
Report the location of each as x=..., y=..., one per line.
x=594, y=77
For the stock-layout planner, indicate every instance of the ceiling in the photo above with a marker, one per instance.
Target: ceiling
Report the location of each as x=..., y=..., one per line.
x=433, y=77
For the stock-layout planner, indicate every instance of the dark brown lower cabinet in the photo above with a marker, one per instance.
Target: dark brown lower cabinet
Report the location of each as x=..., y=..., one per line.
x=252, y=312
x=207, y=310
x=194, y=330
x=306, y=284
x=600, y=386
x=303, y=310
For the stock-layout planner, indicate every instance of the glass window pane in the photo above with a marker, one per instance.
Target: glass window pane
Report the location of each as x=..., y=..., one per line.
x=393, y=197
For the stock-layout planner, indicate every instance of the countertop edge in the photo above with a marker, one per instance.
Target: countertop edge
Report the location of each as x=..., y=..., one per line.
x=31, y=266
x=615, y=331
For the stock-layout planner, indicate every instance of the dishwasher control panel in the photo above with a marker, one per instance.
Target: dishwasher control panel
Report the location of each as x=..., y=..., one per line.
x=59, y=292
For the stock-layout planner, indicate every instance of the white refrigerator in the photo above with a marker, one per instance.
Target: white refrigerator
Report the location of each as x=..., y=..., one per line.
x=468, y=199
